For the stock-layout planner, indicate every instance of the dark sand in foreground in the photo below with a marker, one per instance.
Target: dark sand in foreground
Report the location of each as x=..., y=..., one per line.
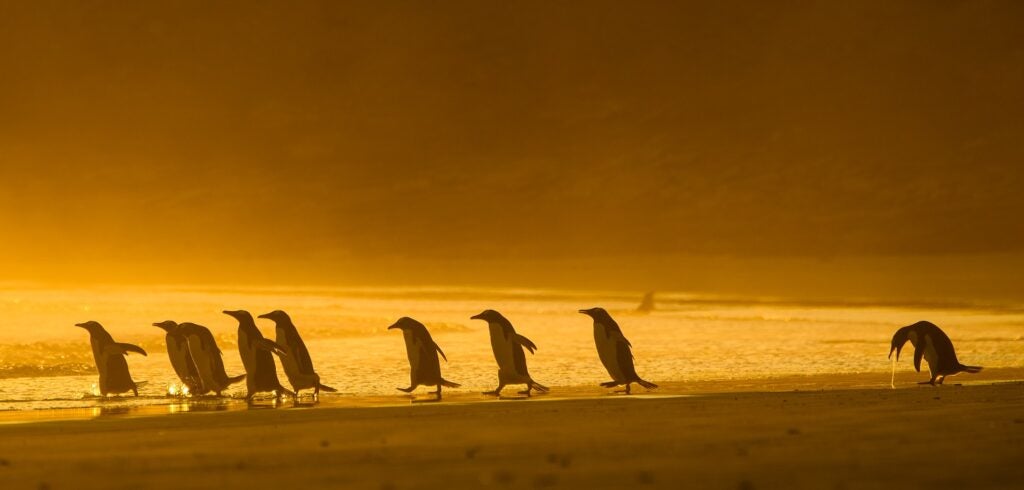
x=969, y=436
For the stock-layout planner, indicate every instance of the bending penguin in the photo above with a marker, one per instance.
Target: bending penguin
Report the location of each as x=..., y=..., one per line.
x=181, y=359
x=508, y=352
x=298, y=365
x=932, y=344
x=424, y=366
x=615, y=351
x=257, y=352
x=207, y=356
x=109, y=356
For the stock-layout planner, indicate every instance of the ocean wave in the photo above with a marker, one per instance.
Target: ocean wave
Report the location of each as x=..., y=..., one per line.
x=8, y=371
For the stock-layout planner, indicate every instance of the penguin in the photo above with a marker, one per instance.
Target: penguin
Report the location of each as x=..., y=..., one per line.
x=109, y=356
x=614, y=350
x=931, y=343
x=424, y=367
x=257, y=357
x=508, y=352
x=207, y=357
x=298, y=365
x=181, y=359
x=646, y=304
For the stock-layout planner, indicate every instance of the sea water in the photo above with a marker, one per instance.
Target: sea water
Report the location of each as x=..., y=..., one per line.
x=46, y=362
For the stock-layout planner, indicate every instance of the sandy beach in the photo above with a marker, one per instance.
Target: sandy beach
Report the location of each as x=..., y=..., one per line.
x=955, y=436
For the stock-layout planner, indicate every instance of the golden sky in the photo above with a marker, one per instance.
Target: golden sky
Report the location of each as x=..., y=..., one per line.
x=193, y=132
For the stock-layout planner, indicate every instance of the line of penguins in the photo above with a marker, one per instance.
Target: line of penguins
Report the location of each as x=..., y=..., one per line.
x=196, y=359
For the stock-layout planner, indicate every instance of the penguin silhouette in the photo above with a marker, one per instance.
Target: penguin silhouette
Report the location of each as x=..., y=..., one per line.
x=615, y=351
x=298, y=365
x=110, y=362
x=934, y=346
x=257, y=352
x=508, y=352
x=207, y=356
x=181, y=359
x=424, y=366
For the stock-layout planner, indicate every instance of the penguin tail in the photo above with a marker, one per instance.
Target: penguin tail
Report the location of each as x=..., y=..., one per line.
x=449, y=384
x=326, y=388
x=646, y=384
x=971, y=369
x=539, y=387
x=235, y=379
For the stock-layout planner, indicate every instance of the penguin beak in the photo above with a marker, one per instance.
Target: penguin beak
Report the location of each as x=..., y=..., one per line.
x=897, y=350
x=394, y=326
x=265, y=315
x=585, y=312
x=478, y=316
x=82, y=325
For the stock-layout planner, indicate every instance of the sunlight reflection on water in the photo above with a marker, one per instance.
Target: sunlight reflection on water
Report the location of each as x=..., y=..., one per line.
x=46, y=362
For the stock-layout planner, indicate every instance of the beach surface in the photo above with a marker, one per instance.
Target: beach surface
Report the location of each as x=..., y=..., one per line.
x=968, y=435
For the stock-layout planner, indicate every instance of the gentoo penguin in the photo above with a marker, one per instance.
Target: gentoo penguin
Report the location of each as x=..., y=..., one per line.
x=508, y=352
x=425, y=368
x=255, y=351
x=298, y=366
x=614, y=351
x=208, y=360
x=181, y=359
x=109, y=356
x=931, y=343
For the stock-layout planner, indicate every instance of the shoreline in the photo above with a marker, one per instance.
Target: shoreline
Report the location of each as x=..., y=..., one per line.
x=968, y=436
x=129, y=407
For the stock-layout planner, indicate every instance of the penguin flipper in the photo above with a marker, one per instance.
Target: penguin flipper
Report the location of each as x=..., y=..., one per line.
x=270, y=345
x=525, y=342
x=439, y=351
x=124, y=349
x=919, y=353
x=323, y=387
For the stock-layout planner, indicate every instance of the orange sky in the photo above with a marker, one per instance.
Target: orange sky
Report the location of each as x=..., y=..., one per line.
x=186, y=134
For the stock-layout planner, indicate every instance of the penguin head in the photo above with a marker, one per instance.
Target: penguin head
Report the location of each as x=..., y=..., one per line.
x=489, y=316
x=188, y=328
x=898, y=340
x=595, y=313
x=240, y=315
x=277, y=316
x=406, y=323
x=167, y=325
x=91, y=326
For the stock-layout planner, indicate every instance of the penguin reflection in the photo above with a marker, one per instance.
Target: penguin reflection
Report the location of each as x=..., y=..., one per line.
x=932, y=344
x=425, y=368
x=109, y=356
x=614, y=350
x=508, y=352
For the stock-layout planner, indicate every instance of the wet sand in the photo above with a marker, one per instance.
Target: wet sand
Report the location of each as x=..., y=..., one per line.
x=955, y=436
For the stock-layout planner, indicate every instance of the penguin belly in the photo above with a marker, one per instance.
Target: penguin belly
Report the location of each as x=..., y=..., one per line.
x=607, y=350
x=290, y=363
x=264, y=377
x=504, y=355
x=115, y=378
x=931, y=356
x=204, y=364
x=184, y=366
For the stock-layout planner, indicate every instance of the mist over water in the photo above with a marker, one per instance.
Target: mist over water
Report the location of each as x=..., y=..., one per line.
x=45, y=362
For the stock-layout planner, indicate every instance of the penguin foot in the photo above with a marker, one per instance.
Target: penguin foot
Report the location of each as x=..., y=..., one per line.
x=406, y=390
x=930, y=382
x=491, y=393
x=527, y=393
